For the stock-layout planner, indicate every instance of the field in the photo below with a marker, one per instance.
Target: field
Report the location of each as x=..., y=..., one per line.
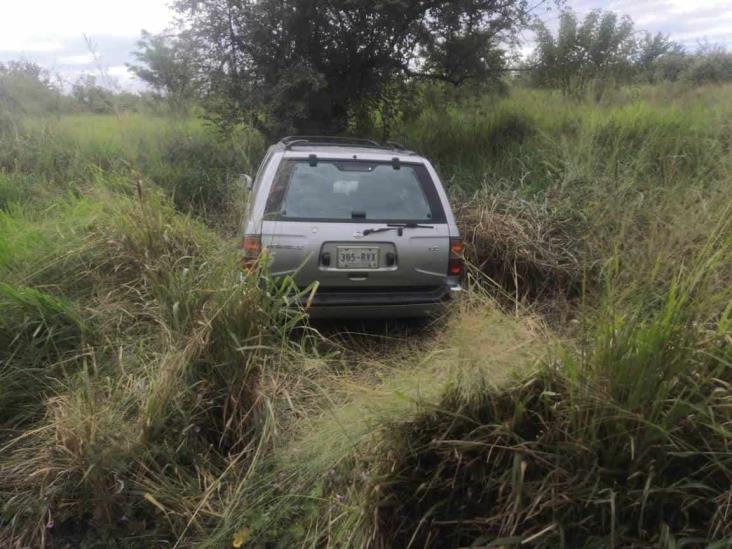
x=578, y=396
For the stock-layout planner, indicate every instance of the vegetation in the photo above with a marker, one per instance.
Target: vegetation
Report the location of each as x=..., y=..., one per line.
x=315, y=66
x=605, y=51
x=167, y=63
x=308, y=67
x=578, y=396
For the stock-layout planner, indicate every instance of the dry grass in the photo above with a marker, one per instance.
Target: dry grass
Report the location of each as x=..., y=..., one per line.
x=312, y=492
x=529, y=249
x=497, y=435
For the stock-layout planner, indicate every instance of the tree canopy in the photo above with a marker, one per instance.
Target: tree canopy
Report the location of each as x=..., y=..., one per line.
x=313, y=65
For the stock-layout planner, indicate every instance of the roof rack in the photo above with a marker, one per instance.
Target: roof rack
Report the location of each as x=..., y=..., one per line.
x=333, y=141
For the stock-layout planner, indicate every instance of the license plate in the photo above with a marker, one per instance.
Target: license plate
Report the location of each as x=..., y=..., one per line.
x=357, y=258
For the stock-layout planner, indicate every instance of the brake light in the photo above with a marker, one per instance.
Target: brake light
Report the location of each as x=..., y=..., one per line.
x=251, y=248
x=456, y=263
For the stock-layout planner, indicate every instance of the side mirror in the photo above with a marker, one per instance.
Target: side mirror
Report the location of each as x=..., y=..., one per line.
x=246, y=181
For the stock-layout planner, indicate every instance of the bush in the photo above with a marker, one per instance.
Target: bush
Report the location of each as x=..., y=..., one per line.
x=468, y=144
x=201, y=172
x=711, y=65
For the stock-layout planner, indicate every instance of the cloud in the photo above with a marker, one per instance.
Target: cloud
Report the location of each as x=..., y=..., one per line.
x=685, y=21
x=119, y=71
x=71, y=18
x=78, y=59
x=9, y=43
x=51, y=33
x=73, y=58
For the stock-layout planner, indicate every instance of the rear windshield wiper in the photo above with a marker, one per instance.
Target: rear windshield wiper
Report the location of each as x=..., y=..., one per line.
x=399, y=227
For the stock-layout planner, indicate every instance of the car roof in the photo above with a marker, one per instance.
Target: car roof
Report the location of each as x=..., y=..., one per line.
x=296, y=146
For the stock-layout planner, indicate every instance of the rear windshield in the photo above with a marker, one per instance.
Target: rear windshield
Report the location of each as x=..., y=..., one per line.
x=353, y=190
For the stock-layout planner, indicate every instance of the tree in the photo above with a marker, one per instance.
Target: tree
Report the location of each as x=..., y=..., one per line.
x=604, y=48
x=26, y=87
x=600, y=48
x=91, y=96
x=710, y=64
x=651, y=49
x=168, y=64
x=315, y=65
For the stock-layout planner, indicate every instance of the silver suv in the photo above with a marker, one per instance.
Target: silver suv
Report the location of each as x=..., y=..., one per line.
x=369, y=223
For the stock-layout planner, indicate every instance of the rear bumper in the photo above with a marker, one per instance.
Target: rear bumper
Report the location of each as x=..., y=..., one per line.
x=394, y=303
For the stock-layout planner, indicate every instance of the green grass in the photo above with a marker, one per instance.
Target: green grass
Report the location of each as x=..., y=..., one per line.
x=196, y=166
x=577, y=396
x=567, y=185
x=542, y=139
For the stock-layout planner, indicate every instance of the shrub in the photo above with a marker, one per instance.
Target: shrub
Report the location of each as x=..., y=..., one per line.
x=193, y=164
x=469, y=144
x=710, y=65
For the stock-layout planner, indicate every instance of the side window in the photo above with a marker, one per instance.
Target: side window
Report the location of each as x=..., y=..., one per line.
x=260, y=172
x=257, y=184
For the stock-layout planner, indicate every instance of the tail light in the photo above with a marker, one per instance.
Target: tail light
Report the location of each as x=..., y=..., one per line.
x=251, y=248
x=456, y=263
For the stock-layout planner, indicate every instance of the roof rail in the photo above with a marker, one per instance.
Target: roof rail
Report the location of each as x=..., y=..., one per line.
x=395, y=145
x=331, y=141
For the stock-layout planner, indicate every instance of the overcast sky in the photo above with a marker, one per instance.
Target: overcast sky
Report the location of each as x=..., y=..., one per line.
x=51, y=32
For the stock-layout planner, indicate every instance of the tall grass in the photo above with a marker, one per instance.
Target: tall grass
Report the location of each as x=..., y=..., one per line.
x=541, y=139
x=568, y=184
x=194, y=164
x=622, y=445
x=499, y=434
x=128, y=342
x=578, y=395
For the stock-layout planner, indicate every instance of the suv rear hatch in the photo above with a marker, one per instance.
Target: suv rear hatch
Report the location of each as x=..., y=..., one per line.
x=357, y=225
